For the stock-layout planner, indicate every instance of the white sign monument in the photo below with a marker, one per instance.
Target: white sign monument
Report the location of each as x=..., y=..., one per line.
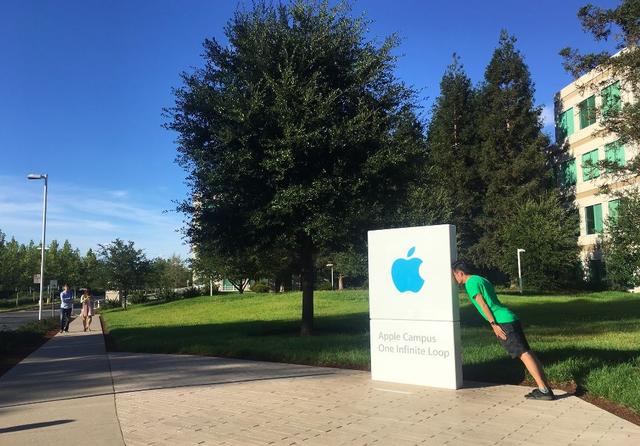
x=413, y=306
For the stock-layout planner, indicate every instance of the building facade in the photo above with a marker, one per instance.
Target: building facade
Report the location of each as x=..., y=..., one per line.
x=579, y=110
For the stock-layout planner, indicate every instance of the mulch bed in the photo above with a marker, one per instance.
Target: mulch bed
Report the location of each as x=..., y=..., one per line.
x=7, y=362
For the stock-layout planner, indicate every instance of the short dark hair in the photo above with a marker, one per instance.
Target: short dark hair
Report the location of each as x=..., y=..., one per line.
x=464, y=266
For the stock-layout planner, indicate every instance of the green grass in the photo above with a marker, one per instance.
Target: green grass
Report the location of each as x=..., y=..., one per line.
x=590, y=340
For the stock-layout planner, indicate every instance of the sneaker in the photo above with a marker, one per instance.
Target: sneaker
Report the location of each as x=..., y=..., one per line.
x=60, y=331
x=537, y=394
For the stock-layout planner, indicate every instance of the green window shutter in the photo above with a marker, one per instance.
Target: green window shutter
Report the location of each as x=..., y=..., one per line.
x=587, y=109
x=615, y=153
x=597, y=217
x=611, y=100
x=589, y=220
x=613, y=210
x=569, y=173
x=568, y=116
x=590, y=168
x=564, y=126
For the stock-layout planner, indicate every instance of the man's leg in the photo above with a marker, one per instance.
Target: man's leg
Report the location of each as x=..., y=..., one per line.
x=533, y=365
x=68, y=316
x=61, y=319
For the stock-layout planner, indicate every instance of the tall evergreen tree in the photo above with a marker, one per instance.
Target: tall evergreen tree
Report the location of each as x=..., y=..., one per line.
x=453, y=148
x=513, y=165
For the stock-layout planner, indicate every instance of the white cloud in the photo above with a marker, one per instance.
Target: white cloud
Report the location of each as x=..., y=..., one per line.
x=88, y=216
x=548, y=118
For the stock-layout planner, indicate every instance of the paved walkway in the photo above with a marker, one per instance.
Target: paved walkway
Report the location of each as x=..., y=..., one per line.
x=64, y=393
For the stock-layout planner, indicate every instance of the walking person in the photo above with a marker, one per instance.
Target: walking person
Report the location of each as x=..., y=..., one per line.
x=66, y=304
x=505, y=325
x=87, y=309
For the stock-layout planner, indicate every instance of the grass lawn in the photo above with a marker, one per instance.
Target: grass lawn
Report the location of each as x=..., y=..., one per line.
x=591, y=340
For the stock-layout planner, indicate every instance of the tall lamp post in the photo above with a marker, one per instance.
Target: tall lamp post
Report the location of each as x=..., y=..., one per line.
x=330, y=265
x=44, y=177
x=520, y=251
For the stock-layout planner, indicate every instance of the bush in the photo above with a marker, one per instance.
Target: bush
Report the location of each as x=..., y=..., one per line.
x=191, y=292
x=138, y=297
x=108, y=304
x=323, y=286
x=259, y=287
x=167, y=294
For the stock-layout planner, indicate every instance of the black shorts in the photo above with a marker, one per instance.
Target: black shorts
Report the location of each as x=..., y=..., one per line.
x=516, y=343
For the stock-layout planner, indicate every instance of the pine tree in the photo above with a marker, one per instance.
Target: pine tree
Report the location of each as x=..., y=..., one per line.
x=512, y=163
x=453, y=149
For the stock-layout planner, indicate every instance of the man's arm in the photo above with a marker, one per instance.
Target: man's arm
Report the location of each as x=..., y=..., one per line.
x=492, y=319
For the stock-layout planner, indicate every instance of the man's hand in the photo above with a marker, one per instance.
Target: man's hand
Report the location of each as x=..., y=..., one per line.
x=499, y=331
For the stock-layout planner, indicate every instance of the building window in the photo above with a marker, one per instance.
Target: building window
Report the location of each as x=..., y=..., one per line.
x=564, y=127
x=614, y=153
x=611, y=101
x=613, y=210
x=568, y=173
x=587, y=110
x=590, y=168
x=593, y=217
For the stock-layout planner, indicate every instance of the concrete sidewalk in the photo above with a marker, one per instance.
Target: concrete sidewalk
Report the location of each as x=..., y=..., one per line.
x=62, y=394
x=187, y=400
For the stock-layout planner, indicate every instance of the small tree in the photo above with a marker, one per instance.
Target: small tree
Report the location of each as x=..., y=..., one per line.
x=549, y=234
x=125, y=267
x=622, y=243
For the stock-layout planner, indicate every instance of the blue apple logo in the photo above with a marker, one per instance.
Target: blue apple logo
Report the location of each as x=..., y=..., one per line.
x=406, y=273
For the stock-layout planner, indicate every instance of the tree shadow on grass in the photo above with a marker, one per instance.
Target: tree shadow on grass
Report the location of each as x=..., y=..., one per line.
x=558, y=314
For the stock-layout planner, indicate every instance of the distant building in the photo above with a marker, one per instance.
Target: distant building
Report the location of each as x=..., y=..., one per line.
x=580, y=107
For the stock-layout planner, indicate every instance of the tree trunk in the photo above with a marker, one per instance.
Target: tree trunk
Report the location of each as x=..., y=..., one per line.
x=340, y=282
x=307, y=279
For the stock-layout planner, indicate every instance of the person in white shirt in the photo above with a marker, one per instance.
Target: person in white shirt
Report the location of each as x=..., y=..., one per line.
x=66, y=304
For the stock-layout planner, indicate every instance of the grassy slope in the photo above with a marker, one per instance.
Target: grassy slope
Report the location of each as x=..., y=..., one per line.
x=589, y=339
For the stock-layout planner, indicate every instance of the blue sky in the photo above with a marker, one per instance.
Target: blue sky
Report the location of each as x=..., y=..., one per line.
x=83, y=83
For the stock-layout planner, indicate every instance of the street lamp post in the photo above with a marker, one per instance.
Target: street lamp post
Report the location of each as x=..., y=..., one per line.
x=520, y=251
x=44, y=177
x=330, y=265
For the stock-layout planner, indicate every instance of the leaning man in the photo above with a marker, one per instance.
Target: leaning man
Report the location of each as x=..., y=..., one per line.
x=505, y=325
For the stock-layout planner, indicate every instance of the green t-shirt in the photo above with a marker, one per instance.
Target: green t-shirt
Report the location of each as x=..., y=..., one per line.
x=479, y=285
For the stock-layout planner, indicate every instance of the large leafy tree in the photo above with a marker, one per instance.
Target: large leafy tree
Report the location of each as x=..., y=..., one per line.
x=454, y=151
x=512, y=164
x=125, y=267
x=296, y=136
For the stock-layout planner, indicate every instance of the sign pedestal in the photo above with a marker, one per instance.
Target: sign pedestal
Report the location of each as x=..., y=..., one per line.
x=413, y=305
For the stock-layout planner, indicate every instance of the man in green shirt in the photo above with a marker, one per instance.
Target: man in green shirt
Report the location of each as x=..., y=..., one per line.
x=505, y=325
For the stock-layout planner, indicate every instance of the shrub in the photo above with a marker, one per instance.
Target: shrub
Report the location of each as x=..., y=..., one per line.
x=138, y=297
x=323, y=286
x=259, y=287
x=191, y=292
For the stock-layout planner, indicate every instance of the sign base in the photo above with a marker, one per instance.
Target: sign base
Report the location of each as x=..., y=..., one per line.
x=425, y=353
